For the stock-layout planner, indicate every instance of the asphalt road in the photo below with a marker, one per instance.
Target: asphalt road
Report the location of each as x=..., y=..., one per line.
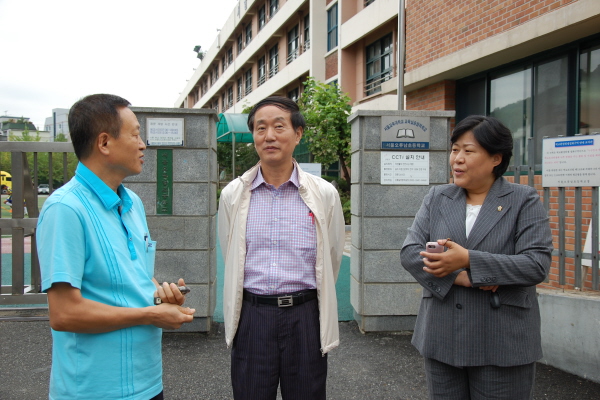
x=196, y=366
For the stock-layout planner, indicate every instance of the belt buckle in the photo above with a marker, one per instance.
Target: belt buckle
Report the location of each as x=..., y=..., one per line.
x=285, y=301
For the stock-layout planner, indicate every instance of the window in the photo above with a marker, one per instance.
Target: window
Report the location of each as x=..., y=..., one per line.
x=332, y=25
x=240, y=89
x=273, y=60
x=224, y=63
x=367, y=2
x=273, y=7
x=293, y=44
x=549, y=94
x=589, y=91
x=379, y=64
x=240, y=44
x=293, y=94
x=229, y=56
x=223, y=103
x=248, y=33
x=229, y=98
x=306, y=32
x=262, y=17
x=248, y=81
x=262, y=71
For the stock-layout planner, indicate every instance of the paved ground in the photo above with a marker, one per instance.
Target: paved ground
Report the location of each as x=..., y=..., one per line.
x=196, y=366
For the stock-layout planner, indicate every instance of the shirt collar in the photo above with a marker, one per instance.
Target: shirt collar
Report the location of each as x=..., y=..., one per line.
x=107, y=196
x=259, y=179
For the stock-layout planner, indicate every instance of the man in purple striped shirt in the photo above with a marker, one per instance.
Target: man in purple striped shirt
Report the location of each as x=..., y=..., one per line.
x=282, y=235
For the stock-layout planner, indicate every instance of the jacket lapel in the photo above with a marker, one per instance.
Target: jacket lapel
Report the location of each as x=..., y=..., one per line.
x=495, y=206
x=452, y=210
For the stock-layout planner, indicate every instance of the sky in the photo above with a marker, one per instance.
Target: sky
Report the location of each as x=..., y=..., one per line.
x=52, y=53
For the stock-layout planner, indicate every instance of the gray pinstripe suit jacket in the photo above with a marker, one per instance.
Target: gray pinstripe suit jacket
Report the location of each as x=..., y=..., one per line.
x=509, y=245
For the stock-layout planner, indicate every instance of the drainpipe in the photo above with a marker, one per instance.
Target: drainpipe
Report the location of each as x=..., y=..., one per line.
x=401, y=51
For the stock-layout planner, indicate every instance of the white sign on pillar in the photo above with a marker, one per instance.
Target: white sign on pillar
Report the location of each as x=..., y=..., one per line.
x=404, y=168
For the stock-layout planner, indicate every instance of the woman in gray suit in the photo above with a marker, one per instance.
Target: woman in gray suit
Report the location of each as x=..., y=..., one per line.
x=478, y=326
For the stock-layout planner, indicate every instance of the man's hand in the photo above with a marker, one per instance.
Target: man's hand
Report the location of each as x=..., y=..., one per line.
x=442, y=264
x=170, y=316
x=462, y=279
x=169, y=293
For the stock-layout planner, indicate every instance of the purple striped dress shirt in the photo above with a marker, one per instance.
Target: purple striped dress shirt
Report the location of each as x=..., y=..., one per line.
x=281, y=239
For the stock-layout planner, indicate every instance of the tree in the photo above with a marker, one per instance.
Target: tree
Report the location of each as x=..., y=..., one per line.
x=326, y=109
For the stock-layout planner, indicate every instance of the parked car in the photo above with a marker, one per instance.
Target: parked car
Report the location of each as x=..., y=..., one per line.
x=43, y=188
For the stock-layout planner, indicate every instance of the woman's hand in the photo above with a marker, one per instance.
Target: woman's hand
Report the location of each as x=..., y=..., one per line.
x=442, y=264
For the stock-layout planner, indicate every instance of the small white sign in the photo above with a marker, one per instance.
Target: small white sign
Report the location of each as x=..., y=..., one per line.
x=164, y=132
x=311, y=168
x=405, y=168
x=571, y=161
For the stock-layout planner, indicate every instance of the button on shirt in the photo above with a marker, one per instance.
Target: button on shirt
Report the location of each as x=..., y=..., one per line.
x=281, y=239
x=97, y=241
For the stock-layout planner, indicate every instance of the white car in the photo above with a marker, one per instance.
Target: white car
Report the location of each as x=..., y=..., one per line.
x=43, y=188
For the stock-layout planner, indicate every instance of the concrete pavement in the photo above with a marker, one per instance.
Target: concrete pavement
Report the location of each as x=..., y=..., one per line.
x=196, y=366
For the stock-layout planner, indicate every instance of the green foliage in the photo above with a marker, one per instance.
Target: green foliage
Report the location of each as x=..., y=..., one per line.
x=245, y=157
x=61, y=137
x=26, y=136
x=326, y=110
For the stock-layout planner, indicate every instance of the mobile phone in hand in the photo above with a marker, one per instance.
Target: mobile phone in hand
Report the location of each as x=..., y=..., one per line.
x=184, y=289
x=434, y=247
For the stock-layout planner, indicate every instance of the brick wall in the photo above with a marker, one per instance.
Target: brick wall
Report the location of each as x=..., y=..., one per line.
x=437, y=28
x=569, y=230
x=331, y=65
x=438, y=96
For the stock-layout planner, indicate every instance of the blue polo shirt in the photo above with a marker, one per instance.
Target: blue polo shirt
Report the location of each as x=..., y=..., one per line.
x=85, y=241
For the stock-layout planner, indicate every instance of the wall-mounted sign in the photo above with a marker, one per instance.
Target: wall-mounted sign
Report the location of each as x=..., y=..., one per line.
x=164, y=132
x=311, y=168
x=405, y=168
x=405, y=133
x=571, y=161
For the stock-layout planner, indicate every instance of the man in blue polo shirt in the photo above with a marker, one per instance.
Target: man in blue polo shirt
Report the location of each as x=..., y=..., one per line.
x=97, y=263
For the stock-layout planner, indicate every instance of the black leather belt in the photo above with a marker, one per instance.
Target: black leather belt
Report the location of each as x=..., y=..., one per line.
x=282, y=300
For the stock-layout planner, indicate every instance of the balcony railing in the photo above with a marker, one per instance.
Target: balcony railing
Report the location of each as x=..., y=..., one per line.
x=374, y=85
x=293, y=55
x=248, y=90
x=273, y=70
x=261, y=79
x=306, y=45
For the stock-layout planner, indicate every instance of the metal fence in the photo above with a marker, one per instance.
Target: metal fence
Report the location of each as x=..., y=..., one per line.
x=565, y=207
x=21, y=226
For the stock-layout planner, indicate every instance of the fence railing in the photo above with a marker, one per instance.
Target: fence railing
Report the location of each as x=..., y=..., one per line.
x=565, y=206
x=21, y=283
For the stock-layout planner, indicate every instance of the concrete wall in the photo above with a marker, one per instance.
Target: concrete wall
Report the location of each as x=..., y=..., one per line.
x=385, y=297
x=571, y=331
x=186, y=240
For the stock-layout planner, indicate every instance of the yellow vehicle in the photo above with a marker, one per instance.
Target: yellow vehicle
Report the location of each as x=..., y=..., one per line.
x=6, y=182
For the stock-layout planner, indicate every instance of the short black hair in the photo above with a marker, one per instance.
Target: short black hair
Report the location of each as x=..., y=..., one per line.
x=91, y=116
x=285, y=104
x=491, y=134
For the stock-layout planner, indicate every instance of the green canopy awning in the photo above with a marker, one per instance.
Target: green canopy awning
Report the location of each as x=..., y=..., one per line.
x=233, y=124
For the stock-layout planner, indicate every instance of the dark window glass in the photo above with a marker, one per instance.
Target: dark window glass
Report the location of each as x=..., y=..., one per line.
x=273, y=7
x=273, y=60
x=293, y=43
x=293, y=94
x=262, y=17
x=240, y=89
x=306, y=32
x=248, y=33
x=262, y=71
x=510, y=102
x=332, y=25
x=589, y=91
x=248, y=81
x=379, y=64
x=240, y=43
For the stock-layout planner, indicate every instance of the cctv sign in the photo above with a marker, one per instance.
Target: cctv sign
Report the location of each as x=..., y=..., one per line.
x=405, y=133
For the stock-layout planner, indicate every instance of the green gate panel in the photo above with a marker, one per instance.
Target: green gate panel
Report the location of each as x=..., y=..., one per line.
x=164, y=182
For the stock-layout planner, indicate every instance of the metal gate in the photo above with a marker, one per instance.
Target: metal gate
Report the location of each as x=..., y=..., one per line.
x=20, y=227
x=565, y=206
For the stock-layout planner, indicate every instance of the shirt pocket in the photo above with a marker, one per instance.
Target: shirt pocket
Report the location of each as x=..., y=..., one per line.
x=150, y=257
